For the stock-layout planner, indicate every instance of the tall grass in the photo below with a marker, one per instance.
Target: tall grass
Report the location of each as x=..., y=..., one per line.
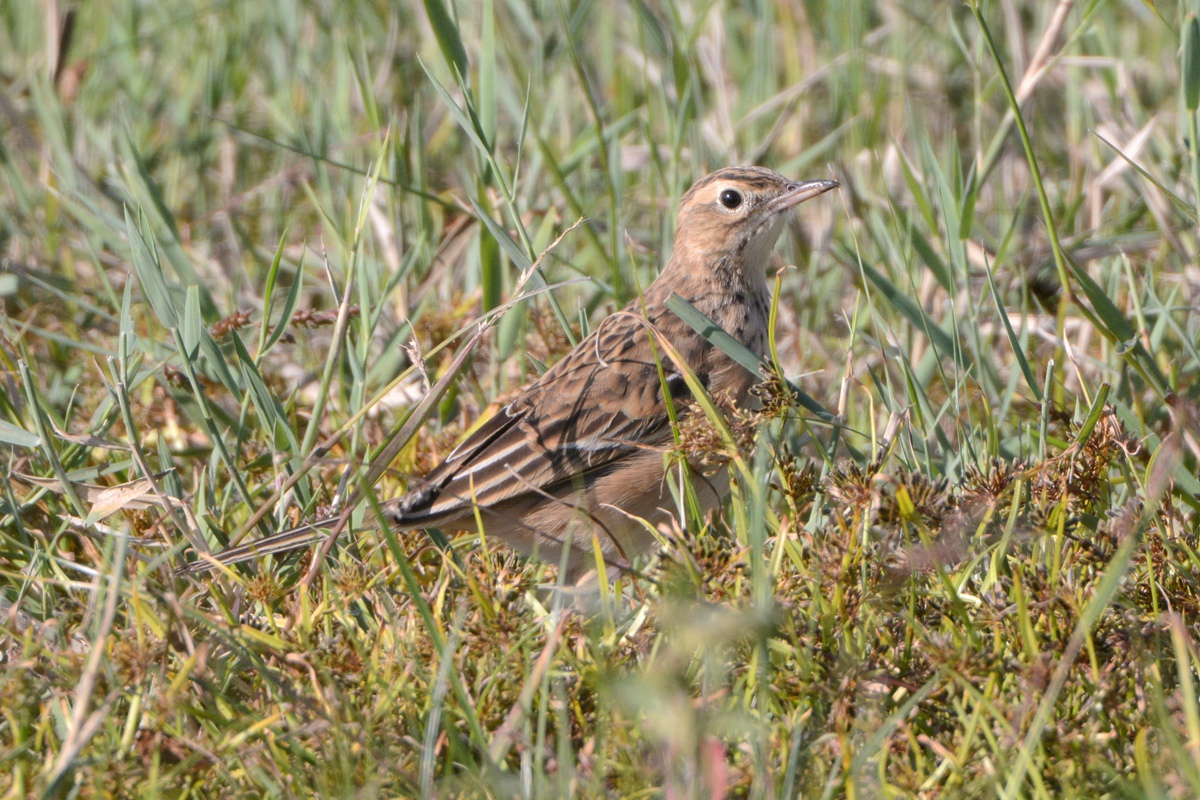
x=262, y=259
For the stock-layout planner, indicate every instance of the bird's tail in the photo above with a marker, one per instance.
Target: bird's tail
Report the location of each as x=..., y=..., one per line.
x=291, y=539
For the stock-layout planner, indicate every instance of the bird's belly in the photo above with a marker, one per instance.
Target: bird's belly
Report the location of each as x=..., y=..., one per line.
x=618, y=509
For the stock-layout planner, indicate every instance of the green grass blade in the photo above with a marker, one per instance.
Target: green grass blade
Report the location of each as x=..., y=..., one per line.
x=150, y=274
x=1022, y=361
x=448, y=38
x=722, y=340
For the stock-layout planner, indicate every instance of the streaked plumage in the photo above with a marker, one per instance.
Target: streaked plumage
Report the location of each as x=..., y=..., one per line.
x=579, y=453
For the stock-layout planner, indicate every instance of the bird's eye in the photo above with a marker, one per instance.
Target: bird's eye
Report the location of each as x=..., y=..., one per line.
x=731, y=198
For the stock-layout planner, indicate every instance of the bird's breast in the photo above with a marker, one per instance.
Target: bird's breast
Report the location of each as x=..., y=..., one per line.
x=744, y=314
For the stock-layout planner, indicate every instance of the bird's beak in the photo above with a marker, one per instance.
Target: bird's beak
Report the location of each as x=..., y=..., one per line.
x=798, y=192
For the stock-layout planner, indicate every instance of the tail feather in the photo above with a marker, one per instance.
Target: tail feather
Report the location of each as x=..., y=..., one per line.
x=291, y=539
x=302, y=536
x=404, y=513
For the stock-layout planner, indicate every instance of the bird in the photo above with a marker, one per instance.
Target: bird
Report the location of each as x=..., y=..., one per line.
x=577, y=458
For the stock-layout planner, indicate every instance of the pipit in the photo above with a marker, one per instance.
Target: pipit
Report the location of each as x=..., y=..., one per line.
x=578, y=457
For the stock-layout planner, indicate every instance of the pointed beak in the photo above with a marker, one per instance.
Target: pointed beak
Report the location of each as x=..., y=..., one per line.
x=798, y=192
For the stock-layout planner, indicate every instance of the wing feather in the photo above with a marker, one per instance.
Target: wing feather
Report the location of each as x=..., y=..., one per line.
x=601, y=403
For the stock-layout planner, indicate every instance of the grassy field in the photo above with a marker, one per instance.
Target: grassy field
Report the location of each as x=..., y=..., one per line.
x=239, y=242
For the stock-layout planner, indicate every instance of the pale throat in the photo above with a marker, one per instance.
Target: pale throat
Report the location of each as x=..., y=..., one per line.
x=733, y=276
x=745, y=267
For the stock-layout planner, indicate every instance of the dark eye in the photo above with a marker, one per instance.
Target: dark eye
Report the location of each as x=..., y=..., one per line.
x=731, y=198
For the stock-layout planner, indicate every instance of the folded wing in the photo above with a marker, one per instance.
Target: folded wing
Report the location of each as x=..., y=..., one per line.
x=601, y=403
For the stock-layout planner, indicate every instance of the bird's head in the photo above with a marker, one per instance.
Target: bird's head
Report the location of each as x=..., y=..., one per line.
x=732, y=217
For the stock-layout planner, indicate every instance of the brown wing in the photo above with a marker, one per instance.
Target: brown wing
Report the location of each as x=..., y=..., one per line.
x=602, y=402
